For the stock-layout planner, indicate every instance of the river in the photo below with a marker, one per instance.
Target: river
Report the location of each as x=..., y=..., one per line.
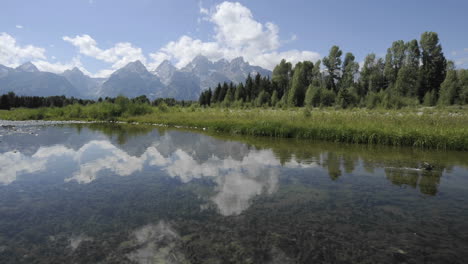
x=114, y=193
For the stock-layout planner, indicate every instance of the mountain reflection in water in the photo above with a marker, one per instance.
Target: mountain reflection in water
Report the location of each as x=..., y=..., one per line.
x=167, y=194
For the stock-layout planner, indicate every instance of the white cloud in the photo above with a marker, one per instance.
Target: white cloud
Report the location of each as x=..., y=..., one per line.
x=237, y=34
x=186, y=48
x=12, y=54
x=58, y=67
x=19, y=26
x=119, y=55
x=236, y=28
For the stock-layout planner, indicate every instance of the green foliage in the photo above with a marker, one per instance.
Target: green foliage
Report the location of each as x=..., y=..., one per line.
x=306, y=112
x=463, y=78
x=300, y=81
x=281, y=75
x=333, y=64
x=327, y=97
x=263, y=99
x=434, y=64
x=374, y=99
x=163, y=108
x=274, y=98
x=350, y=70
x=430, y=98
x=450, y=88
x=372, y=77
x=346, y=99
x=394, y=60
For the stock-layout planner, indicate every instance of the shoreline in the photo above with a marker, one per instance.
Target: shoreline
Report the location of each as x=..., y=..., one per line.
x=445, y=129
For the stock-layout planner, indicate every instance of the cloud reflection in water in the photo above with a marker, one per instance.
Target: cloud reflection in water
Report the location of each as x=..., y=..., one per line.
x=238, y=181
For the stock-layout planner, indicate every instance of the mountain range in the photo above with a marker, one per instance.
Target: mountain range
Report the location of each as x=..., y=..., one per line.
x=132, y=80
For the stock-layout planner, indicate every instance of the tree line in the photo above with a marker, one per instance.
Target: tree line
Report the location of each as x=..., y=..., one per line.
x=11, y=100
x=411, y=73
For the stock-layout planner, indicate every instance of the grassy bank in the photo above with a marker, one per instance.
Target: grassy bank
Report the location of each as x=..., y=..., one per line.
x=436, y=128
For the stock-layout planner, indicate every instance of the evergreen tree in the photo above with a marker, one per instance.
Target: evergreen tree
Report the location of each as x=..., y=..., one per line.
x=239, y=95
x=216, y=93
x=223, y=92
x=5, y=102
x=208, y=96
x=249, y=86
x=229, y=97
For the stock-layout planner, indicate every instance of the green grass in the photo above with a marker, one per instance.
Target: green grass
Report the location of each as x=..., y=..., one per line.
x=435, y=128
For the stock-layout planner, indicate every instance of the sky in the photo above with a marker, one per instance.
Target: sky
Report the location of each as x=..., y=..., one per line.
x=100, y=36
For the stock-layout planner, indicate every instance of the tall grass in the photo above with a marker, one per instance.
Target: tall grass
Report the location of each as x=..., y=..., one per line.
x=421, y=128
x=104, y=111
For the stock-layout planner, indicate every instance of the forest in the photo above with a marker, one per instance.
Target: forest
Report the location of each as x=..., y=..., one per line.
x=413, y=73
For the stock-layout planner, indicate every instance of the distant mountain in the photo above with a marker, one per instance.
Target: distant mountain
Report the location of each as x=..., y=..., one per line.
x=165, y=71
x=132, y=80
x=208, y=74
x=28, y=80
x=182, y=86
x=89, y=88
x=27, y=67
x=4, y=71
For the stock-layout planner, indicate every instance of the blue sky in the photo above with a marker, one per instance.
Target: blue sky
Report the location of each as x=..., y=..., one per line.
x=99, y=36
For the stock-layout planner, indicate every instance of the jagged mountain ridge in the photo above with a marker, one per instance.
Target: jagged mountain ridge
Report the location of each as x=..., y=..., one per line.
x=28, y=80
x=89, y=87
x=132, y=80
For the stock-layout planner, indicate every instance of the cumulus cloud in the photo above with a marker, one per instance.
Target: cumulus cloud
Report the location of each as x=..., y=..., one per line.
x=59, y=67
x=13, y=54
x=119, y=55
x=19, y=26
x=237, y=180
x=185, y=49
x=237, y=34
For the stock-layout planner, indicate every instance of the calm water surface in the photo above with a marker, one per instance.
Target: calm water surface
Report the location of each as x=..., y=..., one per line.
x=89, y=193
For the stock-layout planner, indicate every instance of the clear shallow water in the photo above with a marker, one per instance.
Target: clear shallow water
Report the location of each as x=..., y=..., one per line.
x=91, y=193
